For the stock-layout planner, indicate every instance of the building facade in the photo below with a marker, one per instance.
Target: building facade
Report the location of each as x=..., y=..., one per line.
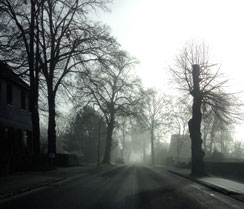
x=15, y=121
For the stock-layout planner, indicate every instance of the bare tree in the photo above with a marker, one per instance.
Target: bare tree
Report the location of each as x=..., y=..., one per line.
x=216, y=134
x=17, y=47
x=180, y=111
x=140, y=137
x=153, y=116
x=123, y=129
x=68, y=40
x=58, y=37
x=196, y=75
x=113, y=88
x=238, y=150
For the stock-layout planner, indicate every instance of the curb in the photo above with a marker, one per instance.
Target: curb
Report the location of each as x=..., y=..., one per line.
x=234, y=195
x=29, y=188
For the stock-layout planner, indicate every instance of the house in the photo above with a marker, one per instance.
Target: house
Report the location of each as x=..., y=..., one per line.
x=15, y=121
x=180, y=148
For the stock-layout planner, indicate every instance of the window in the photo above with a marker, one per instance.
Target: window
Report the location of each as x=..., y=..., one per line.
x=9, y=94
x=23, y=106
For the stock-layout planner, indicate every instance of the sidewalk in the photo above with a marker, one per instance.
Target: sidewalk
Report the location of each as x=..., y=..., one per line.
x=26, y=181
x=228, y=187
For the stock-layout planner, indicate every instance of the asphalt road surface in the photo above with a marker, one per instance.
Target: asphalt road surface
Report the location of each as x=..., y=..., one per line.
x=127, y=187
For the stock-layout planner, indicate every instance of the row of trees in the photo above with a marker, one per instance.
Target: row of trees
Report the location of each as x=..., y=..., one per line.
x=157, y=114
x=56, y=46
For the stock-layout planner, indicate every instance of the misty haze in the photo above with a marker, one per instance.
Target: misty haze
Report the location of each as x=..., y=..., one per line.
x=108, y=104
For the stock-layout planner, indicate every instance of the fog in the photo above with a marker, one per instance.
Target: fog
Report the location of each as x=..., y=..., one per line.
x=121, y=104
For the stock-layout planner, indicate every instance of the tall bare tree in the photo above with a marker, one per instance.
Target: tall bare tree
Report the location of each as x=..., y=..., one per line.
x=17, y=47
x=58, y=37
x=196, y=75
x=115, y=90
x=68, y=40
x=153, y=116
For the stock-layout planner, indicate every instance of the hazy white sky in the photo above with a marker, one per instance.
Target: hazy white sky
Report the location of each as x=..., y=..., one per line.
x=155, y=30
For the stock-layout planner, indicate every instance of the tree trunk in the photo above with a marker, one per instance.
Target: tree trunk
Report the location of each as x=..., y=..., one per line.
x=35, y=117
x=179, y=144
x=143, y=150
x=99, y=141
x=198, y=168
x=221, y=141
x=152, y=145
x=34, y=86
x=51, y=127
x=123, y=143
x=106, y=158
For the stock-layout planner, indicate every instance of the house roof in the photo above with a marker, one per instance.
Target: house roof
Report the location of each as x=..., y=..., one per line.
x=7, y=73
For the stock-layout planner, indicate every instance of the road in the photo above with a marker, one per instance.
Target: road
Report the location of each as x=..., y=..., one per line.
x=127, y=187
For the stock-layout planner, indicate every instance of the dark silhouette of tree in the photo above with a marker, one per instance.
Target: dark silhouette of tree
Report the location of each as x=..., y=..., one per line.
x=81, y=136
x=59, y=38
x=115, y=90
x=196, y=75
x=68, y=40
x=18, y=48
x=194, y=125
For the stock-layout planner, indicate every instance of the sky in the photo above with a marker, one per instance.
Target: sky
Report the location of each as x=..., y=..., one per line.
x=154, y=31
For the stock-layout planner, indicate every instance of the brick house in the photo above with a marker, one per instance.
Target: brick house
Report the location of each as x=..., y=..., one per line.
x=15, y=121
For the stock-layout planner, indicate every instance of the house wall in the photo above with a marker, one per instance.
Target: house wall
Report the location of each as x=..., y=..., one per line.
x=15, y=129
x=13, y=115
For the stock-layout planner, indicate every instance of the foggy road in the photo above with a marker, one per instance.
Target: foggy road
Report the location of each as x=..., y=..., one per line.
x=121, y=187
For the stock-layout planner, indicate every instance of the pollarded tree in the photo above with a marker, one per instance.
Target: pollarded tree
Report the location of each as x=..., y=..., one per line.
x=115, y=90
x=196, y=75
